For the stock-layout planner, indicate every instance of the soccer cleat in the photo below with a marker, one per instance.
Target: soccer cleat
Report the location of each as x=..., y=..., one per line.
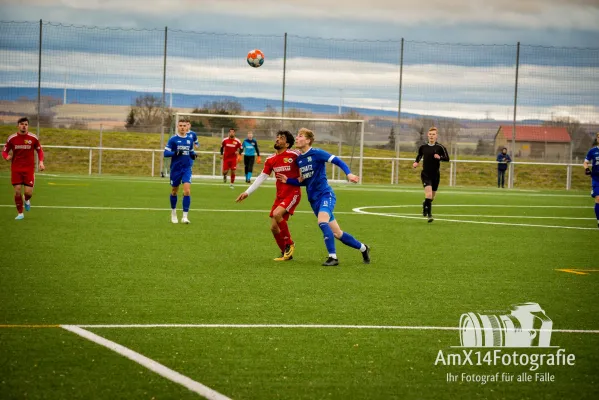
x=20, y=216
x=184, y=220
x=430, y=218
x=174, y=219
x=366, y=254
x=330, y=262
x=288, y=253
x=231, y=186
x=27, y=206
x=283, y=258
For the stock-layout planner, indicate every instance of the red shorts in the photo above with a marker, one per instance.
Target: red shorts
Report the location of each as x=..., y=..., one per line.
x=288, y=203
x=26, y=178
x=229, y=163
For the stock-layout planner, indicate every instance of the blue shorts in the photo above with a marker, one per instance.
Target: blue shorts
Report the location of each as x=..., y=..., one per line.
x=324, y=203
x=179, y=176
x=594, y=188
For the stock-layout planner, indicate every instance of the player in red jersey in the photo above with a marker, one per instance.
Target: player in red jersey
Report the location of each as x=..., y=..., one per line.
x=288, y=196
x=22, y=168
x=230, y=151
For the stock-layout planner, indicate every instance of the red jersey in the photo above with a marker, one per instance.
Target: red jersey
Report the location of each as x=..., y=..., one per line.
x=229, y=148
x=285, y=164
x=22, y=147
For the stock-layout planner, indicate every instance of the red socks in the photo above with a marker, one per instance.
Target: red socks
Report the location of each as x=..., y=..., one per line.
x=19, y=203
x=232, y=179
x=285, y=234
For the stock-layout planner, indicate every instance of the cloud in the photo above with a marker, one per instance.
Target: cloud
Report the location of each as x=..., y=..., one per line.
x=440, y=89
x=530, y=14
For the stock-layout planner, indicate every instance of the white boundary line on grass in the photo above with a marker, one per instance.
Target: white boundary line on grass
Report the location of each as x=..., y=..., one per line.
x=150, y=364
x=302, y=326
x=361, y=211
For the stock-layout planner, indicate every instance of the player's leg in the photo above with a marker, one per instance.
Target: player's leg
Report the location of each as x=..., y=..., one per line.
x=433, y=188
x=175, y=178
x=186, y=195
x=426, y=184
x=276, y=230
x=348, y=240
x=280, y=216
x=28, y=192
x=17, y=179
x=250, y=168
x=225, y=169
x=324, y=214
x=246, y=169
x=233, y=169
x=595, y=194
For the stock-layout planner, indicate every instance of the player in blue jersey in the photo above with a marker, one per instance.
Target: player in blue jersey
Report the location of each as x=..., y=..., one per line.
x=196, y=143
x=591, y=167
x=313, y=175
x=180, y=149
x=250, y=151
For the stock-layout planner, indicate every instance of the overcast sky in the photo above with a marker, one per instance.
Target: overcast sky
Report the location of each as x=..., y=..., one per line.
x=542, y=22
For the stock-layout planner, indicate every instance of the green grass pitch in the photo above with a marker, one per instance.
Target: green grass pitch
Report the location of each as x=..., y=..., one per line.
x=102, y=251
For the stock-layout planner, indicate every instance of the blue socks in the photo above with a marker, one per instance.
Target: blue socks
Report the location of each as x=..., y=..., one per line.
x=249, y=176
x=173, y=202
x=597, y=211
x=350, y=241
x=329, y=239
x=186, y=203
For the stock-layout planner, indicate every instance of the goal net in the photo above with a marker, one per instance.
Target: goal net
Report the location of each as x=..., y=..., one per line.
x=341, y=137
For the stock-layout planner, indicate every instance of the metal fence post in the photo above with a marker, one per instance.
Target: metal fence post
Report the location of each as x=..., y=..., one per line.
x=90, y=161
x=163, y=98
x=511, y=177
x=100, y=153
x=284, y=73
x=397, y=136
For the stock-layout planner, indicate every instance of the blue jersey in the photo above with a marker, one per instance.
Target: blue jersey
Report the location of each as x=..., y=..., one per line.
x=250, y=147
x=593, y=159
x=176, y=143
x=195, y=138
x=312, y=165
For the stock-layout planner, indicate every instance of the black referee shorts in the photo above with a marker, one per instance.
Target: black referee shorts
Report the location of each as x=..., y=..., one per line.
x=430, y=180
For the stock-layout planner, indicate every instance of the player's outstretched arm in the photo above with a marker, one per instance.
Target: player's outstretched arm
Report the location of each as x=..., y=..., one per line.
x=259, y=180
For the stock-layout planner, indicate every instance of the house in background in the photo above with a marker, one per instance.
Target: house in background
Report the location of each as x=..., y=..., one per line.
x=546, y=142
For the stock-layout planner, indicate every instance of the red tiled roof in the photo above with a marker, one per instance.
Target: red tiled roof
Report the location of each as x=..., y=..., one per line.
x=536, y=133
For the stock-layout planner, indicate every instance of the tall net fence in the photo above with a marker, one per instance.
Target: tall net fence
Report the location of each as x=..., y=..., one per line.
x=131, y=82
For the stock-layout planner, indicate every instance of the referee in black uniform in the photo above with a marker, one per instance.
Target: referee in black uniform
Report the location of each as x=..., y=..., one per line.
x=432, y=153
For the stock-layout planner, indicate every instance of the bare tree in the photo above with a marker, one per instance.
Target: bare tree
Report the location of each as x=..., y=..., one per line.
x=449, y=130
x=146, y=114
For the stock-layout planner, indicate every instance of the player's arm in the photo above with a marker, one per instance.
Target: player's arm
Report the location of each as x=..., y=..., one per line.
x=259, y=180
x=170, y=149
x=418, y=156
x=40, y=155
x=345, y=168
x=5, y=151
x=222, y=147
x=444, y=156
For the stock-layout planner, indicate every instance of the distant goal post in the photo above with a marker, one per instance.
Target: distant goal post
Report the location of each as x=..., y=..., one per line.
x=341, y=137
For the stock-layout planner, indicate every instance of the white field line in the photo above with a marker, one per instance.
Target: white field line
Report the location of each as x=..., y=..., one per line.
x=158, y=209
x=305, y=326
x=361, y=210
x=343, y=186
x=499, y=216
x=150, y=364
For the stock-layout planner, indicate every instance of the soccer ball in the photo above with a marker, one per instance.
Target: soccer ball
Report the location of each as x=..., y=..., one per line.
x=255, y=58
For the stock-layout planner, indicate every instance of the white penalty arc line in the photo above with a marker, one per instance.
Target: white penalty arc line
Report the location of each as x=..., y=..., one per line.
x=361, y=211
x=304, y=326
x=150, y=364
x=501, y=216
